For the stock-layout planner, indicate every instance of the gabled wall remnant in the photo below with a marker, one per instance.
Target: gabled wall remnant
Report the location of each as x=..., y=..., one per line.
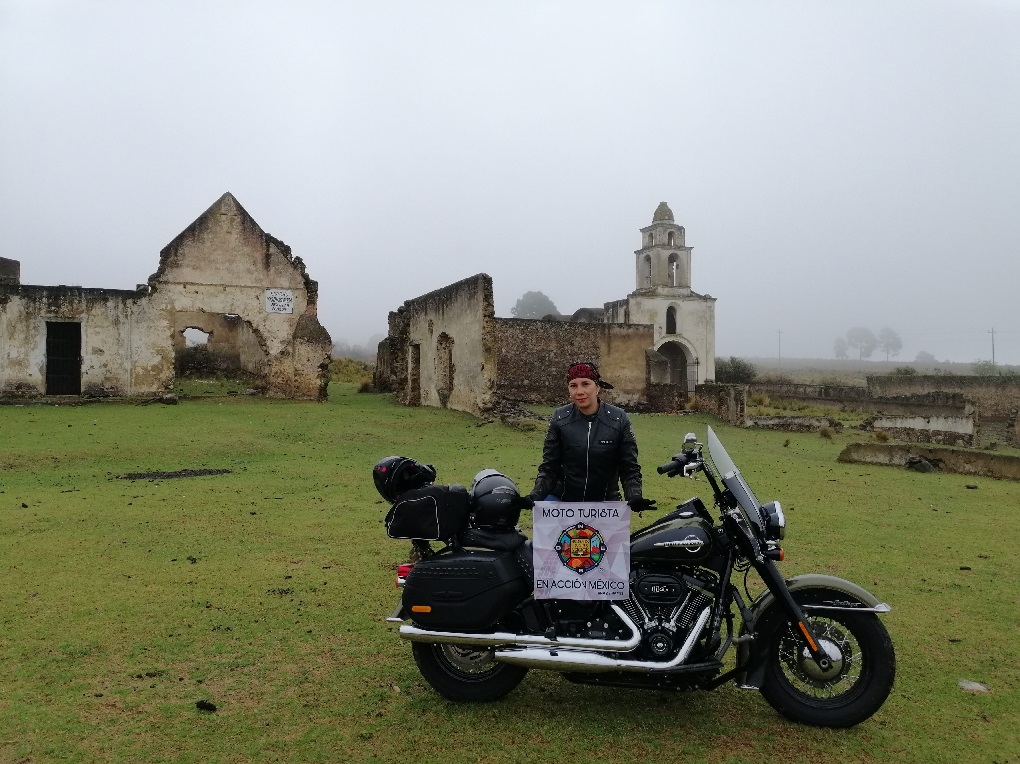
x=223, y=275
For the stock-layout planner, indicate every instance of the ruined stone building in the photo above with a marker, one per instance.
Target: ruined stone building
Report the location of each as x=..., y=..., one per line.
x=447, y=348
x=223, y=275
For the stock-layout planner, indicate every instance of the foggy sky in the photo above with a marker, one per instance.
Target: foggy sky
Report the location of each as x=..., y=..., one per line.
x=835, y=164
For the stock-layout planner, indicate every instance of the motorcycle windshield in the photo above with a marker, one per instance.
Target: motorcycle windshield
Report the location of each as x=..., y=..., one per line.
x=734, y=481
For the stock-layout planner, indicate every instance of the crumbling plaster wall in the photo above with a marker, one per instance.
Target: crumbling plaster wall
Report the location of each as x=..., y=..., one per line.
x=413, y=360
x=225, y=264
x=124, y=347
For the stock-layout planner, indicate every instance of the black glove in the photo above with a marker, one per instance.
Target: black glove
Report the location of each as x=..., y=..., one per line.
x=525, y=502
x=640, y=504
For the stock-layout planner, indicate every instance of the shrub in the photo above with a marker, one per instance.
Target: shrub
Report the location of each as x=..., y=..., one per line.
x=350, y=370
x=881, y=436
x=734, y=371
x=903, y=371
x=758, y=399
x=827, y=433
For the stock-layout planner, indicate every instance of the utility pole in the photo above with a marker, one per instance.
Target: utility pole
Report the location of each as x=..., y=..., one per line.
x=992, y=332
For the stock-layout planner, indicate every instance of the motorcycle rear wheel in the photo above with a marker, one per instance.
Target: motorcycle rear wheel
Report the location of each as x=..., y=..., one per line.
x=854, y=688
x=465, y=674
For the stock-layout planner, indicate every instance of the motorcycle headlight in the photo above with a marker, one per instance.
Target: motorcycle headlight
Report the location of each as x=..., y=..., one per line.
x=775, y=521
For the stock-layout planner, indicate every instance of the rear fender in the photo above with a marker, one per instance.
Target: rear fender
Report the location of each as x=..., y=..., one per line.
x=828, y=593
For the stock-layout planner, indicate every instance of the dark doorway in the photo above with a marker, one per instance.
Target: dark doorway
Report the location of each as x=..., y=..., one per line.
x=673, y=352
x=63, y=358
x=414, y=375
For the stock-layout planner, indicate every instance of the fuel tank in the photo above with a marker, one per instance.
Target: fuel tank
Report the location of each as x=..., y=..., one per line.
x=681, y=537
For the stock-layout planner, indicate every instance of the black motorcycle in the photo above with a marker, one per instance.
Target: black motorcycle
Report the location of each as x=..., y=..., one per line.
x=813, y=645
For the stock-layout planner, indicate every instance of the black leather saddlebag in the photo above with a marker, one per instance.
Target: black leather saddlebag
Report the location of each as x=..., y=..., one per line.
x=432, y=513
x=464, y=590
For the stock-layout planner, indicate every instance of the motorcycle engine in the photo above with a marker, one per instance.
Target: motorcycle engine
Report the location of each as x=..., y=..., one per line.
x=664, y=605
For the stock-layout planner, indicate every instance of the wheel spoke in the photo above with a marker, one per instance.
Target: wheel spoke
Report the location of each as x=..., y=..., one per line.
x=802, y=674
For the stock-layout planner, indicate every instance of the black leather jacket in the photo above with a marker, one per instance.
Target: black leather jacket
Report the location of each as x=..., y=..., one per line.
x=584, y=458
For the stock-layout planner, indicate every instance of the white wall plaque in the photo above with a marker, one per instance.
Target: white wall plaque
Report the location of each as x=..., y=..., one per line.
x=279, y=301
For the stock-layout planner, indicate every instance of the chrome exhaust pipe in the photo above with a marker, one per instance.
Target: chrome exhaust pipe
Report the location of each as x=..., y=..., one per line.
x=572, y=659
x=505, y=639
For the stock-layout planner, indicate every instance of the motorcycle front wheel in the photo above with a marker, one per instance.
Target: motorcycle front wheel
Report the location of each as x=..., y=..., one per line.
x=852, y=689
x=465, y=674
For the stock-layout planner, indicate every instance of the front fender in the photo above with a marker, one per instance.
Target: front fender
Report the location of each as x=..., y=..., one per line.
x=835, y=594
x=846, y=595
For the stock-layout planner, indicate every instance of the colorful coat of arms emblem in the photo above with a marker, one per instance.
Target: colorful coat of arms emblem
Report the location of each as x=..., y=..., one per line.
x=581, y=548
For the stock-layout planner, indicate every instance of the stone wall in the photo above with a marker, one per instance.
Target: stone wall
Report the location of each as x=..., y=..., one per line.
x=728, y=402
x=531, y=358
x=997, y=397
x=946, y=459
x=945, y=430
x=10, y=271
x=810, y=392
x=794, y=423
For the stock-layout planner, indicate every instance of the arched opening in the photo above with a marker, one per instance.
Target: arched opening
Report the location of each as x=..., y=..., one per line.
x=674, y=269
x=670, y=239
x=683, y=367
x=648, y=270
x=671, y=320
x=444, y=368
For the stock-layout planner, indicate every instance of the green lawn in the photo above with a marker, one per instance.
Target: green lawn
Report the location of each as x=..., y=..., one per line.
x=264, y=592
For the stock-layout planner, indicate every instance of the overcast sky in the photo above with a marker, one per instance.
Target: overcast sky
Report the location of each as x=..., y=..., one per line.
x=835, y=164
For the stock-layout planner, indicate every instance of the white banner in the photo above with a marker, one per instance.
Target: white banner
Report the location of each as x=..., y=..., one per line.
x=582, y=550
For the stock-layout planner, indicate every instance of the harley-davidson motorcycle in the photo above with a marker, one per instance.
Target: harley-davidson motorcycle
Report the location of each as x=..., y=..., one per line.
x=813, y=645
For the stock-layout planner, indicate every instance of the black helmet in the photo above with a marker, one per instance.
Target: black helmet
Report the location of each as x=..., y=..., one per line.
x=396, y=474
x=495, y=500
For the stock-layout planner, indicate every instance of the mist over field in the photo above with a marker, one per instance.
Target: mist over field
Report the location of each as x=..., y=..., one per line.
x=835, y=165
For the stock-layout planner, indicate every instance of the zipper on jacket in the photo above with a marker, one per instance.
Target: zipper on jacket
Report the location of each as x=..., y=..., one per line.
x=587, y=462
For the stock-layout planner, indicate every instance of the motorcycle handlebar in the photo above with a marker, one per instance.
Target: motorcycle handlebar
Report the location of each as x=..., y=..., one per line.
x=680, y=465
x=675, y=465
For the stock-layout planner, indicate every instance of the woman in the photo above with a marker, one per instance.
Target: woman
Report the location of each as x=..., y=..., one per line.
x=589, y=447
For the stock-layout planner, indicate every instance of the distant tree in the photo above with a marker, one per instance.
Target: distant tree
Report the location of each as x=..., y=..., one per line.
x=734, y=371
x=840, y=348
x=925, y=357
x=889, y=342
x=863, y=339
x=533, y=305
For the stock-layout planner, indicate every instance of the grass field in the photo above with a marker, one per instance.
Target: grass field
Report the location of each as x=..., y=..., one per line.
x=263, y=591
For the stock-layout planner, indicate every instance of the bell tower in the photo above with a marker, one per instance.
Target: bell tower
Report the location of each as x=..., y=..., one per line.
x=664, y=261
